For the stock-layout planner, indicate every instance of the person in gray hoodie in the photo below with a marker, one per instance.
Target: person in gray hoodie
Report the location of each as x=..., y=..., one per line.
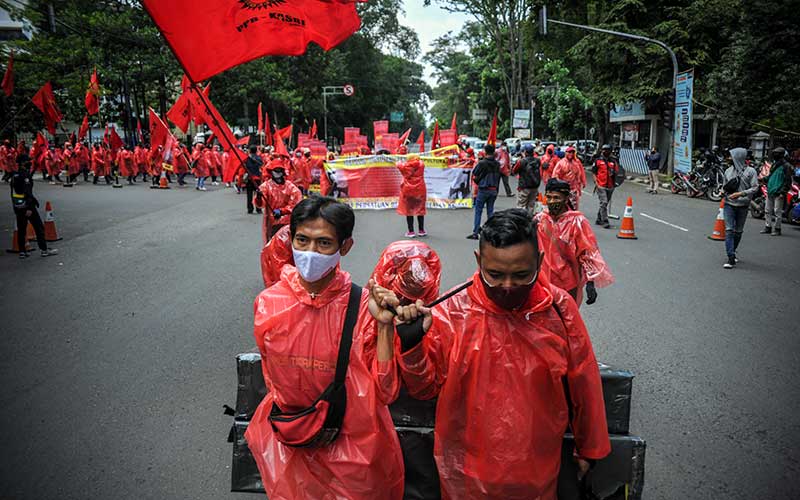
x=737, y=202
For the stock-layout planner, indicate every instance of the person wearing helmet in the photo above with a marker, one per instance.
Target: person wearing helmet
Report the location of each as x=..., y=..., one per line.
x=567, y=238
x=528, y=168
x=25, y=204
x=779, y=183
x=570, y=169
x=507, y=357
x=413, y=193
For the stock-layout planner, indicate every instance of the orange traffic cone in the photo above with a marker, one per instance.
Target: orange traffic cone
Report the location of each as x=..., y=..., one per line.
x=50, y=231
x=30, y=234
x=14, y=247
x=718, y=234
x=162, y=182
x=626, y=230
x=540, y=204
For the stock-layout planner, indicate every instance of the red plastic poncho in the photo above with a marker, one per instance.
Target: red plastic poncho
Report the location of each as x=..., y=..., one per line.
x=98, y=162
x=573, y=173
x=276, y=254
x=502, y=409
x=549, y=161
x=82, y=154
x=298, y=338
x=201, y=166
x=302, y=172
x=413, y=193
x=283, y=197
x=572, y=250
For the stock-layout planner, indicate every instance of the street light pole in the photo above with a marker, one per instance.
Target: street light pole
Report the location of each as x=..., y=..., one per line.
x=546, y=21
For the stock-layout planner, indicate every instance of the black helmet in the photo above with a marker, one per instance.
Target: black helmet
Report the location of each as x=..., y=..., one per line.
x=606, y=146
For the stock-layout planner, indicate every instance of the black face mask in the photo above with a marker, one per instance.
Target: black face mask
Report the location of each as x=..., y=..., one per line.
x=556, y=207
x=279, y=178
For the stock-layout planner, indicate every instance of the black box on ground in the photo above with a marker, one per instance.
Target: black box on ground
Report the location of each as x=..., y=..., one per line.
x=617, y=389
x=251, y=388
x=617, y=386
x=244, y=472
x=619, y=476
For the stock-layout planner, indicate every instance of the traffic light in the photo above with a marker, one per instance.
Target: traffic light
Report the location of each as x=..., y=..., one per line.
x=668, y=110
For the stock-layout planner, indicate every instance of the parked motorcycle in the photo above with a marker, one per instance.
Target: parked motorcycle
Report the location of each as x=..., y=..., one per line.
x=790, y=202
x=705, y=179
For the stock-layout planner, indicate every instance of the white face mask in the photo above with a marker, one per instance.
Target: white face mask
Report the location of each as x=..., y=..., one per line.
x=312, y=266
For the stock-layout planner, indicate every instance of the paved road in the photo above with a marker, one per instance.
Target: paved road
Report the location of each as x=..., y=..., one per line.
x=118, y=354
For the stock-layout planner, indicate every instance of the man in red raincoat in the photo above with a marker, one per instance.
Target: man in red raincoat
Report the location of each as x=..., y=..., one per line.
x=302, y=171
x=510, y=361
x=83, y=157
x=127, y=168
x=201, y=166
x=570, y=169
x=99, y=166
x=549, y=161
x=297, y=328
x=140, y=155
x=276, y=197
x=570, y=244
x=413, y=193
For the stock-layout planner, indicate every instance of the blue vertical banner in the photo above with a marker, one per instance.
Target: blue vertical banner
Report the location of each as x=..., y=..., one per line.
x=682, y=138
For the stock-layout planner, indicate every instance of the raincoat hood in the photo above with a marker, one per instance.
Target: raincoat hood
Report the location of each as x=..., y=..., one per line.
x=411, y=269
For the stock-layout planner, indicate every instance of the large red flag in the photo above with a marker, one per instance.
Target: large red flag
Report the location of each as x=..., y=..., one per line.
x=435, y=140
x=84, y=128
x=421, y=141
x=260, y=119
x=158, y=130
x=181, y=113
x=198, y=110
x=492, y=139
x=8, y=77
x=313, y=133
x=211, y=36
x=92, y=99
x=453, y=124
x=46, y=102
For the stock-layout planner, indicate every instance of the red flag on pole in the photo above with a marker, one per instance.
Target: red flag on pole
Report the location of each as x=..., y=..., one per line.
x=435, y=139
x=92, y=99
x=114, y=140
x=453, y=123
x=8, y=77
x=492, y=139
x=197, y=109
x=267, y=130
x=46, y=102
x=105, y=135
x=212, y=36
x=421, y=141
x=204, y=108
x=260, y=119
x=244, y=141
x=139, y=130
x=404, y=137
x=84, y=128
x=313, y=132
x=158, y=130
x=284, y=133
x=210, y=137
x=181, y=113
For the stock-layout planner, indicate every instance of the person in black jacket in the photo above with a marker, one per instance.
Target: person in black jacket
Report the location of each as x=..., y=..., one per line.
x=25, y=205
x=486, y=175
x=253, y=166
x=528, y=169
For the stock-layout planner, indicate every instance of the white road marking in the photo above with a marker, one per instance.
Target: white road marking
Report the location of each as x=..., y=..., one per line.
x=664, y=222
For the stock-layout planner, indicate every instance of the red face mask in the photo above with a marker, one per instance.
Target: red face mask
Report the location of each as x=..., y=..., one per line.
x=509, y=297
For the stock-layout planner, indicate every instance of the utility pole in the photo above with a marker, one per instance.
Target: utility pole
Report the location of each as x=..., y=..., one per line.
x=346, y=90
x=544, y=22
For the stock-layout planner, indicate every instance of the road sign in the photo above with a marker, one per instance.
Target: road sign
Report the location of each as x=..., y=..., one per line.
x=396, y=116
x=522, y=118
x=522, y=133
x=480, y=114
x=348, y=90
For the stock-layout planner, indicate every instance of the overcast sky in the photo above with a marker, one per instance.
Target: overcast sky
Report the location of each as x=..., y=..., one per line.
x=430, y=23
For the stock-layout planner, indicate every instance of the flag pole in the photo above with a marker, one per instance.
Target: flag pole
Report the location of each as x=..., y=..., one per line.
x=11, y=120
